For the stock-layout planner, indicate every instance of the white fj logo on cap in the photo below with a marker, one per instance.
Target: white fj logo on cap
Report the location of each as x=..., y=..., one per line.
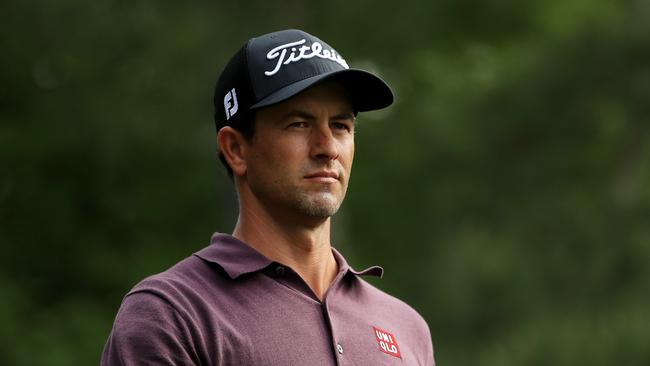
x=316, y=50
x=230, y=103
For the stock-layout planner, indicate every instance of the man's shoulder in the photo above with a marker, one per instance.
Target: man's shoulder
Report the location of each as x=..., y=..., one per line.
x=187, y=278
x=155, y=321
x=376, y=299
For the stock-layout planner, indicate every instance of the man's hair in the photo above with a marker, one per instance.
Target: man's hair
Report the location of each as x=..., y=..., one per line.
x=247, y=129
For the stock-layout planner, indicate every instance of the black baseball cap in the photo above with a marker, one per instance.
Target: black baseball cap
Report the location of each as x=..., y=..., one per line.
x=274, y=67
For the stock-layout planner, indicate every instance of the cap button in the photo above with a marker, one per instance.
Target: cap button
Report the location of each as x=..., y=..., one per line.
x=279, y=270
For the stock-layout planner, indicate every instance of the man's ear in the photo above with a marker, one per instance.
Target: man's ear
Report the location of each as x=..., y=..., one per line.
x=232, y=145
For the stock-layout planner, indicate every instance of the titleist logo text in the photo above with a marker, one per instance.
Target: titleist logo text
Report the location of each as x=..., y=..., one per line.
x=301, y=53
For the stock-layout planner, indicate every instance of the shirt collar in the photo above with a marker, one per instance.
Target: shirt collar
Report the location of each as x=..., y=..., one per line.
x=374, y=271
x=237, y=258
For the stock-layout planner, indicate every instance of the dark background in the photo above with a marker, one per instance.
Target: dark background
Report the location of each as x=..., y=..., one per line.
x=506, y=193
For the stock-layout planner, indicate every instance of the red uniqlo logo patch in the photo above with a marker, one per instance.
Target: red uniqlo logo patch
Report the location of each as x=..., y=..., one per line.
x=387, y=342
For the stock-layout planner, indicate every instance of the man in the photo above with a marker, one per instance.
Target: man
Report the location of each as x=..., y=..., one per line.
x=275, y=292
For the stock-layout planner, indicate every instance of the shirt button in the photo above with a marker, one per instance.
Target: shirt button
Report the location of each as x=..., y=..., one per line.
x=339, y=348
x=279, y=270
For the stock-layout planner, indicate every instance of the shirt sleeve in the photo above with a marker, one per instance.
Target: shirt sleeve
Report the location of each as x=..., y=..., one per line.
x=148, y=331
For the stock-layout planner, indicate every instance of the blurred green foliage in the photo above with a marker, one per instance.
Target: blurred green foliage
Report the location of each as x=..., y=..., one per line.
x=507, y=192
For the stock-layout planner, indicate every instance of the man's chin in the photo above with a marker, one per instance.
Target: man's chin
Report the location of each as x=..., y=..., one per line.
x=324, y=206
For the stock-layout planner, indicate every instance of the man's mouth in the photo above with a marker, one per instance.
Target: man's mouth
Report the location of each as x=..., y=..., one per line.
x=324, y=176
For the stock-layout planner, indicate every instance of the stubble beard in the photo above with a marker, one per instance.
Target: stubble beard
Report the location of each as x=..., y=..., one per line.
x=317, y=205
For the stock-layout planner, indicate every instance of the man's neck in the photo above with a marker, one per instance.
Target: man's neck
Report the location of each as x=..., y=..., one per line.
x=304, y=248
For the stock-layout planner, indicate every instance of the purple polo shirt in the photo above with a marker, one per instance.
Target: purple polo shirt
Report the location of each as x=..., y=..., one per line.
x=229, y=305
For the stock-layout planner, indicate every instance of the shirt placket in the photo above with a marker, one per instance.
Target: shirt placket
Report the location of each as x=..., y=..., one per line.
x=337, y=347
x=289, y=278
x=337, y=343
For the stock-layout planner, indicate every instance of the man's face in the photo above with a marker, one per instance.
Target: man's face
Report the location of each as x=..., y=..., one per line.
x=300, y=156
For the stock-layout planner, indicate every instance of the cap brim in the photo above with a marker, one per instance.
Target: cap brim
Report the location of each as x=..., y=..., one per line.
x=368, y=91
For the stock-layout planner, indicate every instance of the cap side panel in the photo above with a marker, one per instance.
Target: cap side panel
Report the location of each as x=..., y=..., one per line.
x=249, y=81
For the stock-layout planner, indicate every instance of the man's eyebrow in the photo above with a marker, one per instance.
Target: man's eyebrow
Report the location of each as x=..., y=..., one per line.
x=300, y=114
x=310, y=117
x=344, y=115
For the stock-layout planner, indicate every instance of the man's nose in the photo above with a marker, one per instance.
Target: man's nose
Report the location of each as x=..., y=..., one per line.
x=324, y=145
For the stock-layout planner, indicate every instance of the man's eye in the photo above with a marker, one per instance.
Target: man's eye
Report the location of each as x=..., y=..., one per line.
x=298, y=125
x=341, y=126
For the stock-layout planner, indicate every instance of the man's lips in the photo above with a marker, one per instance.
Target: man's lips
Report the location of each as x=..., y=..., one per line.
x=323, y=177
